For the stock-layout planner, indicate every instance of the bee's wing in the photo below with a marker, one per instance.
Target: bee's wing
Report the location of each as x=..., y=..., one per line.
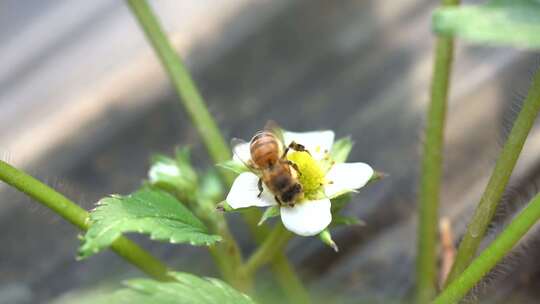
x=242, y=152
x=274, y=127
x=271, y=125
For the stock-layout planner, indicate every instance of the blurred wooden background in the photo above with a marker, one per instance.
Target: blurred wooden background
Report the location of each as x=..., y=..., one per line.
x=84, y=103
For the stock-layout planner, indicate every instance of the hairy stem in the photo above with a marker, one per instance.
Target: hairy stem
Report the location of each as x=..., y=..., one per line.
x=498, y=181
x=283, y=270
x=274, y=244
x=77, y=216
x=426, y=263
x=459, y=287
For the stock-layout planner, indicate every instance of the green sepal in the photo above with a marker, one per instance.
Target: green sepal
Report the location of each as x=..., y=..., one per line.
x=326, y=238
x=341, y=220
x=340, y=201
x=223, y=206
x=270, y=212
x=234, y=166
x=341, y=149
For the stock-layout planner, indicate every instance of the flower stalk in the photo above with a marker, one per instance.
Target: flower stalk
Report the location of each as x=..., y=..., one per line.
x=77, y=216
x=426, y=263
x=498, y=181
x=459, y=287
x=283, y=271
x=227, y=253
x=274, y=243
x=289, y=280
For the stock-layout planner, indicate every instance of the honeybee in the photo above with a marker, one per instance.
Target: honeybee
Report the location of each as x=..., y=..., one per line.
x=269, y=162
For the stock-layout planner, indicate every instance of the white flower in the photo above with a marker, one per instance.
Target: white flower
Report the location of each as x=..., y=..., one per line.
x=321, y=179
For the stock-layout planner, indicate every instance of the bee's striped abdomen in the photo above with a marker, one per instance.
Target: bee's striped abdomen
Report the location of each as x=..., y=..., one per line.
x=265, y=149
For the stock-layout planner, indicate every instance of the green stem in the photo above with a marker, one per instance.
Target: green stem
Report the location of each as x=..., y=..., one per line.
x=274, y=244
x=78, y=217
x=283, y=271
x=141, y=258
x=206, y=126
x=498, y=181
x=289, y=281
x=183, y=83
x=227, y=253
x=459, y=287
x=426, y=263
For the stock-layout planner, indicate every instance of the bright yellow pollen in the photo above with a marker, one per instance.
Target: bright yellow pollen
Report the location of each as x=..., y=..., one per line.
x=311, y=175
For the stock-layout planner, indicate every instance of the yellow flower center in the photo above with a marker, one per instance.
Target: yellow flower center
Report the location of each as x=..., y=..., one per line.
x=311, y=175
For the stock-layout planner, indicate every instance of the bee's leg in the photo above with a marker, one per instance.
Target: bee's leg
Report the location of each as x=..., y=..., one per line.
x=260, y=187
x=277, y=200
x=296, y=147
x=295, y=167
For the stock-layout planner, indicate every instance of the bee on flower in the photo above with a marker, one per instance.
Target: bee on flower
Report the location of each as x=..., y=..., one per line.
x=298, y=172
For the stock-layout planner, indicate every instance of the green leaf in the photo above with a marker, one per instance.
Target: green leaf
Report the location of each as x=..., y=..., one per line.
x=270, y=212
x=498, y=22
x=341, y=149
x=234, y=166
x=148, y=211
x=188, y=289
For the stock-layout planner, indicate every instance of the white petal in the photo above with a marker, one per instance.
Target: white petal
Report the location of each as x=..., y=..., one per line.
x=242, y=153
x=316, y=142
x=307, y=218
x=244, y=193
x=345, y=177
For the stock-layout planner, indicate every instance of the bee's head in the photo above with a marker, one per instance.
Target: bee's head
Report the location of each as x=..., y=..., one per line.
x=293, y=194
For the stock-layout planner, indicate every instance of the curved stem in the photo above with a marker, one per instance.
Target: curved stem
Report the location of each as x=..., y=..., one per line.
x=77, y=216
x=183, y=83
x=426, y=261
x=272, y=245
x=498, y=181
x=459, y=287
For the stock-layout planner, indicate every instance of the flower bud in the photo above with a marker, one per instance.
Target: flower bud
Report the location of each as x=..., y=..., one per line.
x=174, y=175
